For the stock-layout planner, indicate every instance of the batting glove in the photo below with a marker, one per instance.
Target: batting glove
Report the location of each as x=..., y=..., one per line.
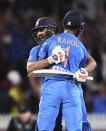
x=58, y=55
x=81, y=75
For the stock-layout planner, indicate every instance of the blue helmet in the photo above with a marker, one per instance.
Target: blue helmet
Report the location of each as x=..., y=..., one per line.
x=74, y=19
x=44, y=22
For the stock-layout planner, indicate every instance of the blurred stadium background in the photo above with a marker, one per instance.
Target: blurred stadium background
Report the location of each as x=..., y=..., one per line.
x=17, y=18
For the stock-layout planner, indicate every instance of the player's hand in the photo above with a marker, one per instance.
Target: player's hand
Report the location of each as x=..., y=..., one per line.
x=58, y=55
x=81, y=75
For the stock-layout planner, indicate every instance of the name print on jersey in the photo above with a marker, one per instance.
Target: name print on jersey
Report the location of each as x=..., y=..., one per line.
x=67, y=41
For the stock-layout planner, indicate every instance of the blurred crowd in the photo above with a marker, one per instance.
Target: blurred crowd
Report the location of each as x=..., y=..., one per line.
x=17, y=17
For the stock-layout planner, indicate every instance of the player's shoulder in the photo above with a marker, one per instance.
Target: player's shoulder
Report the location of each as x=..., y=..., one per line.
x=70, y=36
x=50, y=40
x=35, y=48
x=78, y=41
x=59, y=35
x=53, y=38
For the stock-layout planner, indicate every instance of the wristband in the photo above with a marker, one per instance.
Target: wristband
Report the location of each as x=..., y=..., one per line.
x=50, y=60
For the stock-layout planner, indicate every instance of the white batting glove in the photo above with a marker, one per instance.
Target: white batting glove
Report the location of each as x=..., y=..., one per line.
x=81, y=75
x=58, y=55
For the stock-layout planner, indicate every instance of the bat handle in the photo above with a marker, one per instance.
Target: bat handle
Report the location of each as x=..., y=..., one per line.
x=89, y=78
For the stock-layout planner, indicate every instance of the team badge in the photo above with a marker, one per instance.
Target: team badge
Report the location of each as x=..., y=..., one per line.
x=37, y=22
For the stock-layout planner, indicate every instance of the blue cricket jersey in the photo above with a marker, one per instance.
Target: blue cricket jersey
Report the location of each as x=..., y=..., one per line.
x=34, y=56
x=34, y=53
x=76, y=53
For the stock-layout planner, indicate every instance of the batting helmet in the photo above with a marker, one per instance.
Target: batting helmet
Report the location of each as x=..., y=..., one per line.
x=73, y=19
x=44, y=22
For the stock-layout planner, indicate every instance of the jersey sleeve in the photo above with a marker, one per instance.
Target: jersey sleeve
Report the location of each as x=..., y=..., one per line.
x=43, y=51
x=33, y=54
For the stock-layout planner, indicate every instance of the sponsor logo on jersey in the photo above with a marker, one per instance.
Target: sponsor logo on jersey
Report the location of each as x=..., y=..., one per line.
x=57, y=68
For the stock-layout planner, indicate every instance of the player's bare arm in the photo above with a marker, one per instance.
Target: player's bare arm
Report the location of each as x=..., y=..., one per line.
x=91, y=64
x=58, y=56
x=31, y=66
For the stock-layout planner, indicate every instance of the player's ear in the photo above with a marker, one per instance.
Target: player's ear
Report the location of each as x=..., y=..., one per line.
x=64, y=26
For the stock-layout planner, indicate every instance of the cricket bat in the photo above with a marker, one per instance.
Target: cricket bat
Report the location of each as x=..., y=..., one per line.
x=51, y=73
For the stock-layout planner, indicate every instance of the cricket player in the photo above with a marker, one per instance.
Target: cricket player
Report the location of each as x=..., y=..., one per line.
x=70, y=56
x=44, y=28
